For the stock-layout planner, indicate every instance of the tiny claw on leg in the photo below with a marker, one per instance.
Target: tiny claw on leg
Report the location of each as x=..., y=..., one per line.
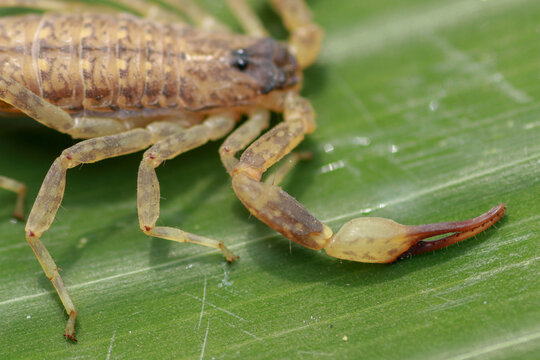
x=378, y=240
x=228, y=254
x=197, y=239
x=69, y=332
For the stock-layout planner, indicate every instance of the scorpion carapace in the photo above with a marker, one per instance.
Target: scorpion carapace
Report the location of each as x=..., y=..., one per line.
x=126, y=84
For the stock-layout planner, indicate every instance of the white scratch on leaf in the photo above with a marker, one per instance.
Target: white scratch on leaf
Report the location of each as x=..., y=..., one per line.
x=485, y=275
x=109, y=352
x=467, y=65
x=203, y=301
x=242, y=330
x=216, y=307
x=204, y=342
x=449, y=304
x=97, y=281
x=354, y=99
x=313, y=353
x=498, y=346
x=250, y=334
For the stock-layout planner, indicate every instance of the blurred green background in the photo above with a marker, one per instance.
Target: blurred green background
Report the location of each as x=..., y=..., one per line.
x=428, y=111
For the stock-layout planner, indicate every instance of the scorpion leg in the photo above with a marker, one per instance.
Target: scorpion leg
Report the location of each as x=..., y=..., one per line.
x=148, y=10
x=364, y=239
x=53, y=5
x=247, y=18
x=52, y=191
x=214, y=127
x=244, y=135
x=276, y=177
x=18, y=188
x=34, y=106
x=306, y=37
x=90, y=127
x=54, y=117
x=197, y=15
x=240, y=138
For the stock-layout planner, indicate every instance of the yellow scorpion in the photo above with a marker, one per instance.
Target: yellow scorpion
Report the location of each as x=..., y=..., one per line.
x=125, y=83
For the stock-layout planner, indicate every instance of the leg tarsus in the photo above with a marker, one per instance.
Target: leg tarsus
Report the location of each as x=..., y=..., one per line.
x=197, y=239
x=18, y=188
x=19, y=205
x=174, y=234
x=69, y=332
x=51, y=271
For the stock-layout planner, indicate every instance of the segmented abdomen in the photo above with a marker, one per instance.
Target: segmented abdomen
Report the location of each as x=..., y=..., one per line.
x=95, y=62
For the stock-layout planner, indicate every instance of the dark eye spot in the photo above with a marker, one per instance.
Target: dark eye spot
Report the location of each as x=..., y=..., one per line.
x=241, y=64
x=240, y=59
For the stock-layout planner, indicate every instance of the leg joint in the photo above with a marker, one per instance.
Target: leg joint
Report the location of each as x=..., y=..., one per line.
x=31, y=234
x=152, y=158
x=250, y=171
x=146, y=229
x=67, y=159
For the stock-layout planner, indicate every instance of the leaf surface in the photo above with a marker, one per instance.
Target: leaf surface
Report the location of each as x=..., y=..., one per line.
x=428, y=111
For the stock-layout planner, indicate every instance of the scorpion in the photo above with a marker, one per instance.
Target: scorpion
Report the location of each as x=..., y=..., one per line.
x=124, y=83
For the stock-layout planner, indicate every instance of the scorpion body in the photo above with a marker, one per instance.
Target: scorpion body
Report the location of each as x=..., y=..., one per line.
x=126, y=84
x=124, y=67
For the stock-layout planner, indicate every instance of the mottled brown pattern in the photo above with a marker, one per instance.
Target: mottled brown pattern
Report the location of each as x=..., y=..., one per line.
x=273, y=145
x=98, y=63
x=55, y=50
x=280, y=211
x=16, y=61
x=154, y=54
x=130, y=60
x=170, y=81
x=104, y=63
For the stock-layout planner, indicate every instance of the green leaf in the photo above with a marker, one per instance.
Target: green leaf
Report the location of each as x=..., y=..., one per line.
x=428, y=111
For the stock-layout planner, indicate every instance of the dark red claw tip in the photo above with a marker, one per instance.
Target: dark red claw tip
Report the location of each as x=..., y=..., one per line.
x=461, y=230
x=71, y=337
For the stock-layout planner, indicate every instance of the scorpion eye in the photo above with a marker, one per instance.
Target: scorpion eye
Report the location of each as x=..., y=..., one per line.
x=240, y=61
x=241, y=64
